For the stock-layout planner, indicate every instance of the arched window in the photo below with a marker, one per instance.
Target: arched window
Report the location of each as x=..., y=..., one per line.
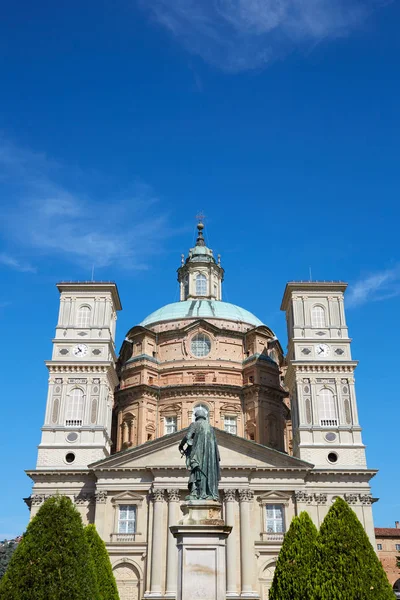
x=327, y=408
x=199, y=406
x=74, y=409
x=396, y=588
x=201, y=285
x=83, y=319
x=318, y=316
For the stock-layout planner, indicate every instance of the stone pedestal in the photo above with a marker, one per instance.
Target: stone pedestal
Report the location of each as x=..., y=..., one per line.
x=201, y=536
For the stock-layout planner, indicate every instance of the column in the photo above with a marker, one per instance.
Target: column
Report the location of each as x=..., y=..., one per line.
x=157, y=543
x=231, y=570
x=172, y=551
x=246, y=544
x=125, y=432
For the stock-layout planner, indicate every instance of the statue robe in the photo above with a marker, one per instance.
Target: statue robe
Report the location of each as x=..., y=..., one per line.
x=202, y=458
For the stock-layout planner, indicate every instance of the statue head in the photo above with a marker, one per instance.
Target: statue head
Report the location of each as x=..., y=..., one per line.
x=200, y=413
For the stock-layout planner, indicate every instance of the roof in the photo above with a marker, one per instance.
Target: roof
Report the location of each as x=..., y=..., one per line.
x=197, y=309
x=387, y=532
x=89, y=286
x=309, y=287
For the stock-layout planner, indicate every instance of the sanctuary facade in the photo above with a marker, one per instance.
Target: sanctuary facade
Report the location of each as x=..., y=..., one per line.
x=286, y=423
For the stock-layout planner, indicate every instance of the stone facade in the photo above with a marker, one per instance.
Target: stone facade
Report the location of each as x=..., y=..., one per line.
x=286, y=426
x=388, y=548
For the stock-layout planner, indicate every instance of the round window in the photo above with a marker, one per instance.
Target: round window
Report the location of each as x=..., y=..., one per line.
x=332, y=457
x=72, y=437
x=200, y=345
x=70, y=457
x=330, y=436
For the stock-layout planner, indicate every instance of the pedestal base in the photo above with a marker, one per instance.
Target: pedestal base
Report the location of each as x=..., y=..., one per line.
x=201, y=536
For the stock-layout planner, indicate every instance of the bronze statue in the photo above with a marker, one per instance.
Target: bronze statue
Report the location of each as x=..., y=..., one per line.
x=202, y=458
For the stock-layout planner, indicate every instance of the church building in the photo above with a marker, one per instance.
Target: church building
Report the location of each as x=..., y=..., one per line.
x=286, y=424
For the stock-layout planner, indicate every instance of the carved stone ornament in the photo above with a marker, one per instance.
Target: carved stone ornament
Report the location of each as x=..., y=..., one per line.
x=351, y=498
x=229, y=495
x=246, y=495
x=301, y=496
x=158, y=495
x=173, y=495
x=101, y=497
x=365, y=498
x=37, y=499
x=83, y=498
x=321, y=498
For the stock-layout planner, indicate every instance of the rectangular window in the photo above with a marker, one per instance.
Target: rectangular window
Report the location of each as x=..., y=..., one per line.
x=275, y=522
x=230, y=424
x=398, y=547
x=379, y=546
x=170, y=425
x=127, y=518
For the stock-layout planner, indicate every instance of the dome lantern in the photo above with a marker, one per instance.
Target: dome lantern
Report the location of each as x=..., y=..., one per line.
x=200, y=276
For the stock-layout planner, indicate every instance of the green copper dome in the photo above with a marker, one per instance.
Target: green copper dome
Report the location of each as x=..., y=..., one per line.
x=201, y=309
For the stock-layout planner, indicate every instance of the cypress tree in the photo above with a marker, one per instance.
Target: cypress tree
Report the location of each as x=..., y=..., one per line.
x=102, y=567
x=347, y=567
x=295, y=561
x=52, y=561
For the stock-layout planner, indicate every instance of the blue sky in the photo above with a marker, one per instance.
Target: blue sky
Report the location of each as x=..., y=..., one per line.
x=120, y=121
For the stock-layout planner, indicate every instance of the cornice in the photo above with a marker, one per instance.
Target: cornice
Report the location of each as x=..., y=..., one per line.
x=329, y=367
x=58, y=367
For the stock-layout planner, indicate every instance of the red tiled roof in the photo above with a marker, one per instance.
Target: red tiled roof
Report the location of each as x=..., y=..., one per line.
x=387, y=532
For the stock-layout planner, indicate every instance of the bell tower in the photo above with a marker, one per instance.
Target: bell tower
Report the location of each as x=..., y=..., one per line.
x=82, y=377
x=320, y=376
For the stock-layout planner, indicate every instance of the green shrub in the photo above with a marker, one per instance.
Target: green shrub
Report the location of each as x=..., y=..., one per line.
x=52, y=561
x=102, y=567
x=347, y=567
x=295, y=561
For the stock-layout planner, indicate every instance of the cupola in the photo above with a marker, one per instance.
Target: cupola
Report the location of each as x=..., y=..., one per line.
x=200, y=275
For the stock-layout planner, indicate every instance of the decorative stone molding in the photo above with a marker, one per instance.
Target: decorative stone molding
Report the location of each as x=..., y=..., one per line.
x=246, y=495
x=314, y=368
x=38, y=499
x=320, y=498
x=158, y=495
x=173, y=495
x=82, y=498
x=101, y=497
x=351, y=498
x=365, y=498
x=229, y=495
x=301, y=496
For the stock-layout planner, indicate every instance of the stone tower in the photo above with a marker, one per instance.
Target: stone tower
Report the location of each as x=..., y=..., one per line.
x=320, y=376
x=82, y=377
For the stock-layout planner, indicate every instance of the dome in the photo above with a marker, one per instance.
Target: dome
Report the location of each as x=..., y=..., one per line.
x=201, y=309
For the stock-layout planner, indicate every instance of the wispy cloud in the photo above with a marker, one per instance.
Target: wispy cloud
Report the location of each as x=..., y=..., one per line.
x=15, y=263
x=377, y=286
x=44, y=217
x=237, y=35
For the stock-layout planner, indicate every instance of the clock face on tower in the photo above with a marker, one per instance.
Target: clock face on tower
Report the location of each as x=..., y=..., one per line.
x=80, y=350
x=322, y=350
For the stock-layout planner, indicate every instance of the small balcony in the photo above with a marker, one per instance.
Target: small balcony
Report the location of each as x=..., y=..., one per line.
x=328, y=422
x=272, y=538
x=124, y=538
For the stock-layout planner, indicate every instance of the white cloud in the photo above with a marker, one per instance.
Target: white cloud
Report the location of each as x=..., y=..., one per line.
x=381, y=285
x=44, y=217
x=236, y=35
x=16, y=264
